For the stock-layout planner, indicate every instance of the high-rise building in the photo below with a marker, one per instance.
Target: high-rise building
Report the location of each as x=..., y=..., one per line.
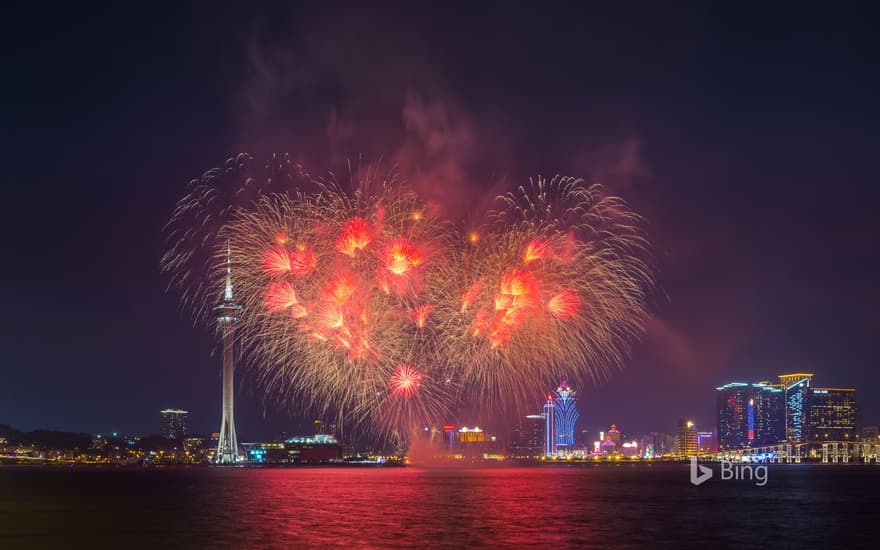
x=767, y=402
x=732, y=409
x=527, y=439
x=173, y=423
x=228, y=313
x=686, y=439
x=566, y=416
x=549, y=427
x=796, y=388
x=831, y=415
x=750, y=415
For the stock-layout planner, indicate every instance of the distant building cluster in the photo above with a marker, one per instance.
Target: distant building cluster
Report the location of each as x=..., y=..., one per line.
x=791, y=410
x=553, y=434
x=469, y=443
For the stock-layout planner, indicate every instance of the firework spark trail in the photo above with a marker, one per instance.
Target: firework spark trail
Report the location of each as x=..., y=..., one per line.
x=365, y=304
x=200, y=217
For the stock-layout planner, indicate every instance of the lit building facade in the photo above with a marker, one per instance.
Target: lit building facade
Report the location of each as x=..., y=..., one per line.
x=732, y=409
x=750, y=415
x=796, y=387
x=471, y=435
x=173, y=423
x=767, y=402
x=686, y=439
x=831, y=415
x=309, y=449
x=549, y=427
x=566, y=415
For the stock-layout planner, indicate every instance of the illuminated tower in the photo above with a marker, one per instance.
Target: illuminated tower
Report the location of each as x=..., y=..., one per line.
x=227, y=315
x=549, y=427
x=797, y=387
x=686, y=439
x=566, y=415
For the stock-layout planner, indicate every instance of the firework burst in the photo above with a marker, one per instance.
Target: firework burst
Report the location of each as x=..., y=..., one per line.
x=364, y=304
x=339, y=290
x=556, y=286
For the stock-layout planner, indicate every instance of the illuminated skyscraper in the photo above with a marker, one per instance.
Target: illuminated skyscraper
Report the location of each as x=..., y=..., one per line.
x=227, y=315
x=549, y=427
x=750, y=415
x=832, y=415
x=566, y=415
x=173, y=423
x=732, y=408
x=796, y=388
x=768, y=409
x=686, y=439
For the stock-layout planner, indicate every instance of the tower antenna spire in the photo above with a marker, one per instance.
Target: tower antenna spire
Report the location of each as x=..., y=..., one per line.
x=227, y=292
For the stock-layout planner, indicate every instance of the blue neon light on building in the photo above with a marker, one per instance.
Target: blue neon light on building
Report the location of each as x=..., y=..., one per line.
x=566, y=414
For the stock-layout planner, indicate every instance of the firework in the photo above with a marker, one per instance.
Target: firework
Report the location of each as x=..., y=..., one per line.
x=555, y=286
x=200, y=217
x=363, y=303
x=338, y=290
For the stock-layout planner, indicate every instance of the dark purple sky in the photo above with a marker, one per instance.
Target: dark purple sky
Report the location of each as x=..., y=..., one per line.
x=748, y=138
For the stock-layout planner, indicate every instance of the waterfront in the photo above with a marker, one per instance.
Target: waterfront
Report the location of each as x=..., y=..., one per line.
x=607, y=505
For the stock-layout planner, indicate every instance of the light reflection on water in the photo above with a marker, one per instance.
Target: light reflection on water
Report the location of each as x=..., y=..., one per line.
x=620, y=506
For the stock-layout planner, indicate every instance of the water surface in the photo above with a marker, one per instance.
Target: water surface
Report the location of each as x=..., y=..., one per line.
x=549, y=506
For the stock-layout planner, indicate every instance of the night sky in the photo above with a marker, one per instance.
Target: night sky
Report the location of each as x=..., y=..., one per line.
x=748, y=139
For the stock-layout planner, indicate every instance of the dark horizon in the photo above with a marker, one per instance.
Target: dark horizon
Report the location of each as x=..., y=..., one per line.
x=746, y=140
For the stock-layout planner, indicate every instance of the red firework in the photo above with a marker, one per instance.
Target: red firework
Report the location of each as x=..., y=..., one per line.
x=280, y=296
x=355, y=236
x=537, y=250
x=276, y=262
x=471, y=295
x=516, y=301
x=401, y=256
x=340, y=288
x=405, y=381
x=303, y=261
x=565, y=304
x=420, y=315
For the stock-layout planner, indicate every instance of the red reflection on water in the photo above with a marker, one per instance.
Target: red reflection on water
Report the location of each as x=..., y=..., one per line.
x=382, y=507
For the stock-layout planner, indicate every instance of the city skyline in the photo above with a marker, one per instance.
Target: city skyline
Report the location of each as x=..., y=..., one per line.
x=766, y=416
